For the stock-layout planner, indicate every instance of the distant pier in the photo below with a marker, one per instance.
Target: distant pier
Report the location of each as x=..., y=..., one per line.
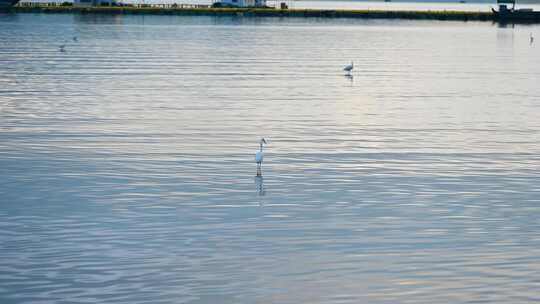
x=192, y=9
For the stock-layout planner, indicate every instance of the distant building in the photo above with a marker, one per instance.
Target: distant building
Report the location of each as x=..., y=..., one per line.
x=241, y=3
x=89, y=3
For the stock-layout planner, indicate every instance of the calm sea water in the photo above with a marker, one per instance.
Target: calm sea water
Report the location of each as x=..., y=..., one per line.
x=127, y=169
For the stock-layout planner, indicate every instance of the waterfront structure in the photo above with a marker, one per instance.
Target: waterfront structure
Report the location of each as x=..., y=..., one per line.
x=241, y=3
x=90, y=3
x=520, y=16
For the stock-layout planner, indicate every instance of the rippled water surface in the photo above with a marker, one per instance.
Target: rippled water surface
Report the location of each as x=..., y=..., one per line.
x=127, y=169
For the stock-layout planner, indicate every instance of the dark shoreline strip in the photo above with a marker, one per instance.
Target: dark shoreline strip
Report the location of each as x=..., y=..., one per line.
x=268, y=12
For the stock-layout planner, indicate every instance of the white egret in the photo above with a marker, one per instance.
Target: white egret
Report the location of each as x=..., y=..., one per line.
x=349, y=68
x=259, y=156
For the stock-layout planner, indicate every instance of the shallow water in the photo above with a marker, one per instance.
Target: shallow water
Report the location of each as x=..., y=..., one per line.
x=127, y=171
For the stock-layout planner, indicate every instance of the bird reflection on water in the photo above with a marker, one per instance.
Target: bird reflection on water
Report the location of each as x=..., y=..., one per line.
x=259, y=184
x=350, y=77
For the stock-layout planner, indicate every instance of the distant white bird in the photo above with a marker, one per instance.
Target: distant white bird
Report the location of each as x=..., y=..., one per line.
x=349, y=68
x=531, y=38
x=259, y=156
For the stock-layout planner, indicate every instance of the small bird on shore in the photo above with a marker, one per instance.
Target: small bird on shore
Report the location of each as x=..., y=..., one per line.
x=62, y=48
x=531, y=39
x=349, y=67
x=259, y=156
x=75, y=39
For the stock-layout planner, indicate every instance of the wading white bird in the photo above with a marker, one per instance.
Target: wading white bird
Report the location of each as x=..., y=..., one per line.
x=259, y=156
x=349, y=68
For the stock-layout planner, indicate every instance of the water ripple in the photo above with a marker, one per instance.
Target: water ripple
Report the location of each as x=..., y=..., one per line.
x=127, y=171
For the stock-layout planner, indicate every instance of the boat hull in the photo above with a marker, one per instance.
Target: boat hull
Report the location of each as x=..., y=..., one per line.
x=515, y=16
x=505, y=14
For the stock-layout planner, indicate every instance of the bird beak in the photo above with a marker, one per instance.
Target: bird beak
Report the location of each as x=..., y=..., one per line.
x=264, y=141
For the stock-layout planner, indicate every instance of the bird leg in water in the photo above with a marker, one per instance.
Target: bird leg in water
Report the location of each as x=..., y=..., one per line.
x=259, y=172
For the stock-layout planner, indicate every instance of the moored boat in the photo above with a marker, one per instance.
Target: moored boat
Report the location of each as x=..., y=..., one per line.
x=504, y=13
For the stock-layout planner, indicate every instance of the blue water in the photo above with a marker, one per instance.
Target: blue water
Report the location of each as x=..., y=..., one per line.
x=127, y=169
